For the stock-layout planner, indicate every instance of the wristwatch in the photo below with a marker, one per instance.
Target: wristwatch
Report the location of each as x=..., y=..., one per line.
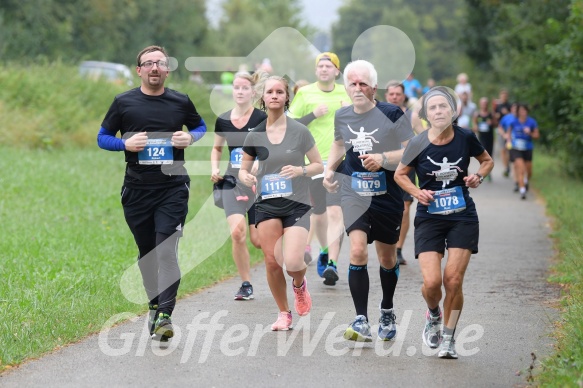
x=305, y=170
x=385, y=161
x=481, y=177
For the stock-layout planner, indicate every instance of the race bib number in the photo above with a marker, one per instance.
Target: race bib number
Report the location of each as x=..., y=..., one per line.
x=519, y=144
x=236, y=157
x=447, y=201
x=275, y=186
x=157, y=151
x=368, y=184
x=483, y=127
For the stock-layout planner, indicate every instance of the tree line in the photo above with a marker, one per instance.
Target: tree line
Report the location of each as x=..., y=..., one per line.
x=533, y=48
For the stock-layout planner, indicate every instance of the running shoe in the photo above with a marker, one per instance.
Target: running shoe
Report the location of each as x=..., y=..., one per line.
x=308, y=255
x=506, y=172
x=284, y=321
x=400, y=258
x=152, y=316
x=163, y=329
x=432, y=330
x=330, y=275
x=387, y=325
x=322, y=263
x=516, y=188
x=245, y=292
x=303, y=302
x=523, y=196
x=359, y=330
x=447, y=349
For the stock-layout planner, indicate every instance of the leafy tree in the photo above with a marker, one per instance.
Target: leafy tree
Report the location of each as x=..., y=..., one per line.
x=357, y=17
x=566, y=66
x=250, y=28
x=110, y=30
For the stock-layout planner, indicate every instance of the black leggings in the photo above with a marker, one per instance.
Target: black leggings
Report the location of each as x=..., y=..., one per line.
x=158, y=262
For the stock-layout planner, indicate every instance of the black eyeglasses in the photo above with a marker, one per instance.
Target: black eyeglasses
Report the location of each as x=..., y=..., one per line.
x=149, y=64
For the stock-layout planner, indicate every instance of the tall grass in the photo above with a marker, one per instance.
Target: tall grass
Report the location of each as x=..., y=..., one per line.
x=562, y=195
x=51, y=106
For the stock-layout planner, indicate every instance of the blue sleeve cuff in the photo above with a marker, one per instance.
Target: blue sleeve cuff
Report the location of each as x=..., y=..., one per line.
x=108, y=141
x=199, y=131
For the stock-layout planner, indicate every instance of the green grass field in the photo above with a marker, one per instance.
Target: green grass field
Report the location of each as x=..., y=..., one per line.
x=65, y=246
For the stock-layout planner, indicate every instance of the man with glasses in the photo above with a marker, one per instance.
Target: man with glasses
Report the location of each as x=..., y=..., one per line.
x=155, y=191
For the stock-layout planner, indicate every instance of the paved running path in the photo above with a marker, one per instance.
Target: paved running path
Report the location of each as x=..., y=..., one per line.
x=507, y=316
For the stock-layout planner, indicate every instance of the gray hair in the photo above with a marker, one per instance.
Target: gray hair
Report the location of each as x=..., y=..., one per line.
x=363, y=65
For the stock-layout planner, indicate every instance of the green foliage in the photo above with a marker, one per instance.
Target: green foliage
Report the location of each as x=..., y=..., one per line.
x=433, y=28
x=565, y=367
x=50, y=106
x=566, y=67
x=534, y=48
x=109, y=30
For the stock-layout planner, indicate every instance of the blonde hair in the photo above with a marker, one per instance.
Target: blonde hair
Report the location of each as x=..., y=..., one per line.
x=261, y=77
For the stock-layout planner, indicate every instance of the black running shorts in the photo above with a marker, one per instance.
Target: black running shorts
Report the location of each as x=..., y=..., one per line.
x=433, y=235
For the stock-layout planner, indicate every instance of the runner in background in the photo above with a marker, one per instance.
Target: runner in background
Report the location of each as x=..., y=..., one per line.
x=413, y=88
x=463, y=86
x=500, y=108
x=484, y=127
x=467, y=111
x=504, y=145
x=314, y=105
x=521, y=132
x=232, y=127
x=395, y=94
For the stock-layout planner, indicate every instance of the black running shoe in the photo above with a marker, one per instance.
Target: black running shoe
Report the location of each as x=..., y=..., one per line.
x=245, y=292
x=152, y=316
x=163, y=329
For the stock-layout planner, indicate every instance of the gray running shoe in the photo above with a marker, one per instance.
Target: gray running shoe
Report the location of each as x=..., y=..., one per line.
x=432, y=330
x=359, y=330
x=245, y=292
x=387, y=325
x=447, y=349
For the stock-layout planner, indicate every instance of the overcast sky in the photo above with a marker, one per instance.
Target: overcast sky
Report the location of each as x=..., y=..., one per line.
x=319, y=13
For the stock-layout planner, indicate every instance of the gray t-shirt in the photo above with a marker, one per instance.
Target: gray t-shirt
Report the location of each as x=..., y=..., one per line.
x=274, y=194
x=381, y=129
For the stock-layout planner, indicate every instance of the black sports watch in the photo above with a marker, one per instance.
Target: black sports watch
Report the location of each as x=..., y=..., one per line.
x=481, y=177
x=304, y=170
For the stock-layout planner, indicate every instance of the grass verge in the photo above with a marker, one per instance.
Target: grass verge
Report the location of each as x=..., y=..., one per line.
x=65, y=246
x=562, y=194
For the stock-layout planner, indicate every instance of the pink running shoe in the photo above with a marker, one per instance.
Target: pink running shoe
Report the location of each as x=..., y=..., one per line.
x=284, y=321
x=303, y=302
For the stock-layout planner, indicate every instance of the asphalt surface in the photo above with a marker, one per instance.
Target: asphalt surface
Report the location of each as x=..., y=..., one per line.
x=507, y=316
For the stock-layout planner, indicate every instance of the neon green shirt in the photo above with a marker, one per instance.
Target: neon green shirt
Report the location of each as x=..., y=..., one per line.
x=309, y=98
